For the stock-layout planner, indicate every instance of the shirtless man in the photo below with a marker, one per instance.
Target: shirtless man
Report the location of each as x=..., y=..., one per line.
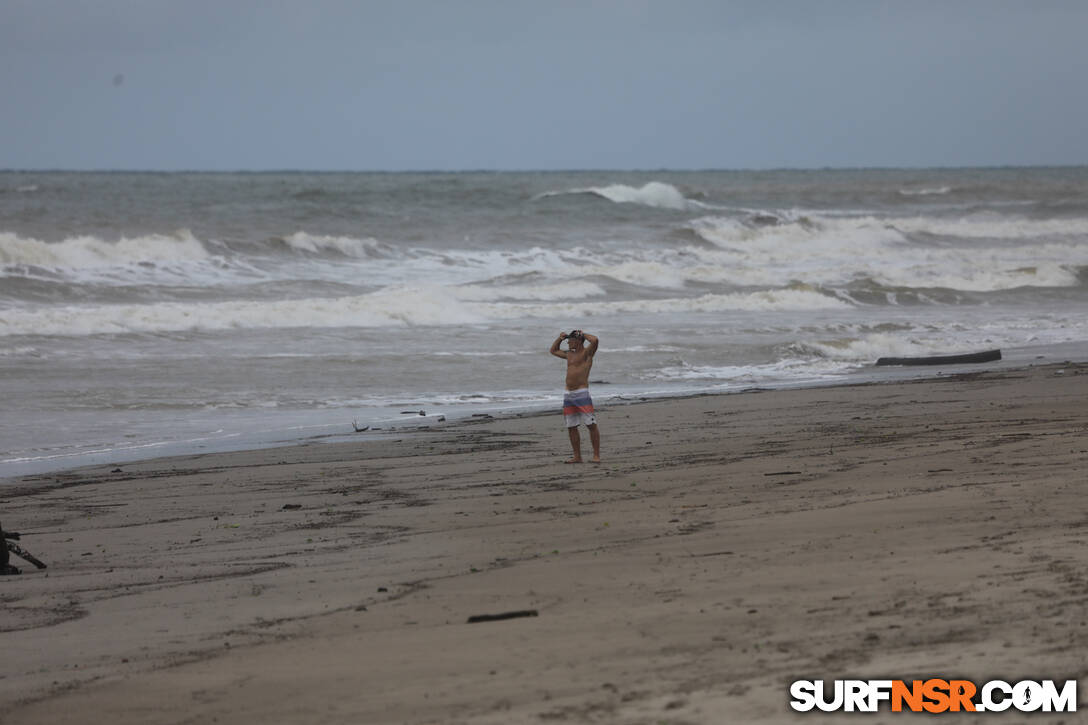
x=577, y=405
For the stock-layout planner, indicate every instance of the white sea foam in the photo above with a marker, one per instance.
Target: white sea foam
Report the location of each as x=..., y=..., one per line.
x=791, y=369
x=805, y=235
x=348, y=246
x=836, y=251
x=926, y=191
x=870, y=347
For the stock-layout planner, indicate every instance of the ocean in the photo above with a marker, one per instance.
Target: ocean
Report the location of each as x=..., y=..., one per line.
x=146, y=314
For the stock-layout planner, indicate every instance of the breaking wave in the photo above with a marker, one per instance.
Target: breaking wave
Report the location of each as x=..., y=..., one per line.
x=973, y=255
x=88, y=251
x=367, y=248
x=866, y=259
x=653, y=194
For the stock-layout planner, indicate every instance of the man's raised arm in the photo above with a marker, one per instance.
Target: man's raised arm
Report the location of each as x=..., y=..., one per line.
x=591, y=349
x=555, y=346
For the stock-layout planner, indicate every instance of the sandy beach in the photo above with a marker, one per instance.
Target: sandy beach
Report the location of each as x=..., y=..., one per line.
x=727, y=546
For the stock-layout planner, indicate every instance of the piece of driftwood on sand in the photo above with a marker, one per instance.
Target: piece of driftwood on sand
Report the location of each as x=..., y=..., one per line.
x=972, y=357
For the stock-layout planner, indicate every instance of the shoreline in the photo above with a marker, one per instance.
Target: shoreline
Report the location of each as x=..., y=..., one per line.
x=727, y=544
x=341, y=432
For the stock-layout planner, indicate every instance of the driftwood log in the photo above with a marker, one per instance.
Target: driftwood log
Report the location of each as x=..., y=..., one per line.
x=501, y=616
x=973, y=357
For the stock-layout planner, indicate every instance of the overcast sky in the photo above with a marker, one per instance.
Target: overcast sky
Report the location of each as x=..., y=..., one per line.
x=541, y=84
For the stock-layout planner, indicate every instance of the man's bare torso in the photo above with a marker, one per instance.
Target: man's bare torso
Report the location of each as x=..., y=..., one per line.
x=578, y=367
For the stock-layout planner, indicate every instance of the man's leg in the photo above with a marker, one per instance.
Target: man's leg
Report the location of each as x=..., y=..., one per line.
x=575, y=444
x=595, y=439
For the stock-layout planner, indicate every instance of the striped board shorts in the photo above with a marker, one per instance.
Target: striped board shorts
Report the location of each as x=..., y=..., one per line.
x=578, y=408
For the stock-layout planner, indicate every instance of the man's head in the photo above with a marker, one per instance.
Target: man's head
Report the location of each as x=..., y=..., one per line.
x=575, y=339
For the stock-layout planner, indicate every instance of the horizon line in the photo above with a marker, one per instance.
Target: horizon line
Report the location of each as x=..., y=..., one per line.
x=635, y=170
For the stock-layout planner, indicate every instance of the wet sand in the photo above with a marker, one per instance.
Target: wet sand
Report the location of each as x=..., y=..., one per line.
x=726, y=546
